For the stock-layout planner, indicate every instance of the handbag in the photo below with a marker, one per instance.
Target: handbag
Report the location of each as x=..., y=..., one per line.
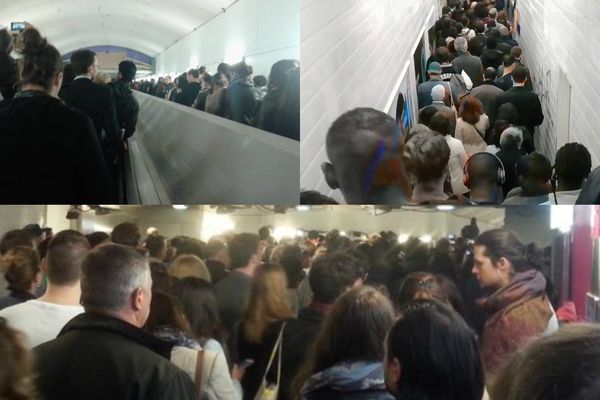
x=266, y=390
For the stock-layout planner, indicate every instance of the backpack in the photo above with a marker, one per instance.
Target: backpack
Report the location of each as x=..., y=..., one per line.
x=460, y=87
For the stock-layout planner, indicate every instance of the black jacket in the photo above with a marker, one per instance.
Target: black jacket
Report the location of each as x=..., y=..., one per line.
x=49, y=154
x=491, y=58
x=188, y=96
x=527, y=103
x=9, y=76
x=298, y=337
x=100, y=357
x=126, y=106
x=509, y=158
x=241, y=101
x=96, y=101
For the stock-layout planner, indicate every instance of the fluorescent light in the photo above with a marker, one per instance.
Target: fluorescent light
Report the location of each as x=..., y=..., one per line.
x=343, y=233
x=402, y=238
x=180, y=207
x=281, y=232
x=216, y=224
x=425, y=238
x=445, y=208
x=303, y=208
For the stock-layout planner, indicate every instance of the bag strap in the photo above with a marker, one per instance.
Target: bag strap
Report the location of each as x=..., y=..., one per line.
x=276, y=348
x=199, y=367
x=480, y=134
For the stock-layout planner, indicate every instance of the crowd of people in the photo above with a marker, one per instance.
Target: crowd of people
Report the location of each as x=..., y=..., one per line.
x=474, y=140
x=232, y=92
x=74, y=130
x=326, y=316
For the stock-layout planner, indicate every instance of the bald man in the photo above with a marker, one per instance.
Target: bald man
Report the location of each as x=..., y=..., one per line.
x=483, y=181
x=365, y=148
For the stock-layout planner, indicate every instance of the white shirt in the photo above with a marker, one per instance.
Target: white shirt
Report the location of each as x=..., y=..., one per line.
x=456, y=165
x=38, y=320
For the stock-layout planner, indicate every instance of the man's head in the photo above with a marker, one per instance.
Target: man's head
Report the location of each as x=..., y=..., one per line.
x=498, y=256
x=511, y=139
x=435, y=69
x=116, y=281
x=484, y=175
x=443, y=122
x=245, y=251
x=460, y=44
x=157, y=247
x=365, y=147
x=217, y=250
x=516, y=52
x=16, y=237
x=126, y=233
x=64, y=256
x=193, y=75
x=438, y=93
x=442, y=55
x=490, y=74
x=509, y=64
x=573, y=164
x=426, y=114
x=428, y=155
x=333, y=274
x=493, y=13
x=127, y=71
x=520, y=74
x=260, y=81
x=491, y=42
x=534, y=171
x=84, y=62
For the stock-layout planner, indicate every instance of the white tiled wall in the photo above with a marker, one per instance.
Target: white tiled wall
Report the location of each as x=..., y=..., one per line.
x=353, y=53
x=563, y=35
x=265, y=31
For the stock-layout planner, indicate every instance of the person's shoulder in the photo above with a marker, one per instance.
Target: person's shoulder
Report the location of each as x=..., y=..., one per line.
x=15, y=310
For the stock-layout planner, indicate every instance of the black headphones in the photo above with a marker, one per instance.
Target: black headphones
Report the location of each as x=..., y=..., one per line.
x=500, y=174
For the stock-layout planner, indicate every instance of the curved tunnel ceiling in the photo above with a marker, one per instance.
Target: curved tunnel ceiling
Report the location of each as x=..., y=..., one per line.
x=148, y=26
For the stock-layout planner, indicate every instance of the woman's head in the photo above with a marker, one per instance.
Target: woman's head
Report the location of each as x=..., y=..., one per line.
x=354, y=330
x=470, y=109
x=268, y=301
x=21, y=268
x=165, y=310
x=561, y=366
x=16, y=368
x=431, y=353
x=278, y=77
x=427, y=286
x=189, y=265
x=41, y=64
x=498, y=256
x=199, y=301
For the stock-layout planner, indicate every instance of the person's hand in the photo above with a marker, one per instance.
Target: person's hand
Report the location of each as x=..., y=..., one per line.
x=237, y=373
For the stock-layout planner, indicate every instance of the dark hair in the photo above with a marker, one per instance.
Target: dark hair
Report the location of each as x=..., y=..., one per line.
x=264, y=232
x=81, y=60
x=241, y=69
x=241, y=248
x=573, y=164
x=126, y=233
x=165, y=310
x=479, y=26
x=332, y=274
x=490, y=74
x=442, y=55
x=516, y=52
x=199, y=301
x=509, y=60
x=155, y=245
x=16, y=237
x=260, y=81
x=314, y=197
x=500, y=243
x=97, y=238
x=491, y=42
x=6, y=41
x=20, y=265
x=278, y=77
x=291, y=261
x=354, y=330
x=194, y=72
x=535, y=166
x=128, y=70
x=191, y=246
x=41, y=62
x=470, y=109
x=520, y=73
x=438, y=354
x=161, y=280
x=64, y=256
x=443, y=122
x=68, y=74
x=561, y=366
x=224, y=69
x=110, y=274
x=428, y=286
x=213, y=247
x=429, y=154
x=426, y=114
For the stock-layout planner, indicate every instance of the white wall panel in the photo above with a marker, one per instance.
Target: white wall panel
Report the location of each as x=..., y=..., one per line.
x=264, y=31
x=353, y=54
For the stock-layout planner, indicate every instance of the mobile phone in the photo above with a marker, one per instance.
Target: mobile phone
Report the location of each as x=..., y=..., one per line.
x=245, y=363
x=18, y=26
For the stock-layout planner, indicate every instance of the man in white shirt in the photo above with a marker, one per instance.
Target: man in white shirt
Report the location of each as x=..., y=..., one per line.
x=42, y=319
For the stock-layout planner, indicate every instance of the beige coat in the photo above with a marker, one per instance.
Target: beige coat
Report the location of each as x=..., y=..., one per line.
x=472, y=136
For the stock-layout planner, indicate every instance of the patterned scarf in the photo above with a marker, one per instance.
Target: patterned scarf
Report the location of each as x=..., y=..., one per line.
x=176, y=337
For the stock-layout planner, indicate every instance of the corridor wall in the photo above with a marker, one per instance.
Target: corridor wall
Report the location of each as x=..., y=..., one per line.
x=264, y=31
x=353, y=53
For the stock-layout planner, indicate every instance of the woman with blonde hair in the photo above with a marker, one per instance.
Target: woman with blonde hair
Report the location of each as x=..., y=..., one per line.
x=188, y=265
x=16, y=368
x=21, y=268
x=259, y=330
x=472, y=125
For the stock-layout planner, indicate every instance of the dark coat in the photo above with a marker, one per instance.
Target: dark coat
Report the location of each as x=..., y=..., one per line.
x=232, y=294
x=298, y=337
x=491, y=58
x=241, y=101
x=15, y=297
x=487, y=94
x=9, y=76
x=100, y=357
x=188, y=96
x=126, y=106
x=217, y=270
x=509, y=158
x=471, y=65
x=98, y=103
x=49, y=154
x=527, y=103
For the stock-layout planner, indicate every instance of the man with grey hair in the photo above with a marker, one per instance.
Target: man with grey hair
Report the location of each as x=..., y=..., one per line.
x=510, y=144
x=103, y=353
x=464, y=61
x=438, y=94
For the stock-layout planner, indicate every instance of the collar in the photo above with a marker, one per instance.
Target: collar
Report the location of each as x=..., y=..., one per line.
x=30, y=93
x=83, y=77
x=21, y=295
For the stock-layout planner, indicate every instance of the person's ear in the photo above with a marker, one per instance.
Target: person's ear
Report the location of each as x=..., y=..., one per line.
x=394, y=371
x=43, y=266
x=504, y=265
x=330, y=175
x=137, y=299
x=58, y=80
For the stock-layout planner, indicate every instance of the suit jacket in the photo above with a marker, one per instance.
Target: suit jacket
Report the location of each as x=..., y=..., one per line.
x=527, y=103
x=471, y=65
x=487, y=94
x=49, y=153
x=491, y=58
x=98, y=103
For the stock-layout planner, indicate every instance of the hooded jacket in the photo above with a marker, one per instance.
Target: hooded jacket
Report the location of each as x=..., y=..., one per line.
x=345, y=381
x=517, y=313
